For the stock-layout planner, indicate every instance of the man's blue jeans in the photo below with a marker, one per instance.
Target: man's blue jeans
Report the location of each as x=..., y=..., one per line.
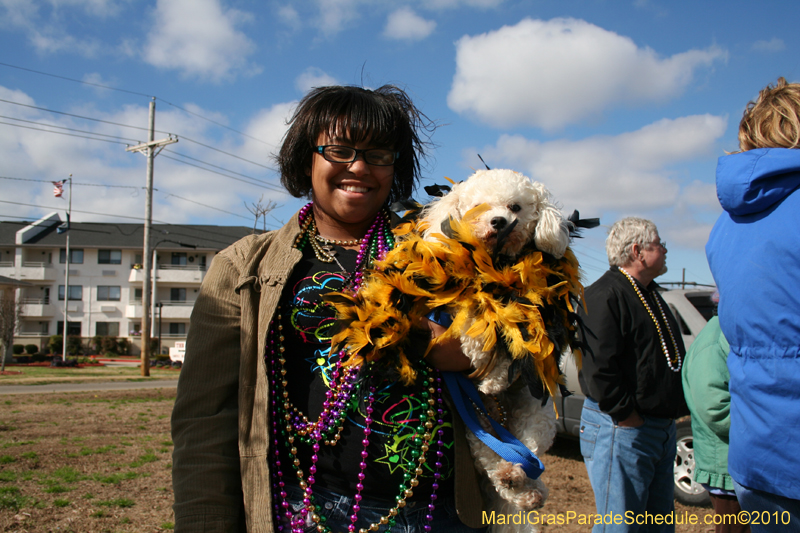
x=769, y=512
x=630, y=469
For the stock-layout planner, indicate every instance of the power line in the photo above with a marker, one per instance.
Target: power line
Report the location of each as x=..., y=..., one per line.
x=218, y=123
x=137, y=94
x=226, y=153
x=62, y=133
x=122, y=126
x=76, y=211
x=85, y=184
x=76, y=81
x=221, y=174
x=204, y=205
x=78, y=116
x=220, y=168
x=68, y=129
x=129, y=187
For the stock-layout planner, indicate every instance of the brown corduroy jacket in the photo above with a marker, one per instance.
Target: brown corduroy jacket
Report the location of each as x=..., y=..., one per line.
x=220, y=423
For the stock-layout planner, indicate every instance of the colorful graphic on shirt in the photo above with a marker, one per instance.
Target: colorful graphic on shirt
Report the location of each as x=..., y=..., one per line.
x=396, y=414
x=312, y=319
x=397, y=420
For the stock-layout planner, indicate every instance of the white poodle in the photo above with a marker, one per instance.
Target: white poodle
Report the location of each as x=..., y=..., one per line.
x=519, y=210
x=512, y=198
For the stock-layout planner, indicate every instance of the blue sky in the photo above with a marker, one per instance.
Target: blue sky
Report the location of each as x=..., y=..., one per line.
x=618, y=107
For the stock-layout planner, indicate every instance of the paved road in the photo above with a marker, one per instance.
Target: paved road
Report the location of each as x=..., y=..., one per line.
x=88, y=387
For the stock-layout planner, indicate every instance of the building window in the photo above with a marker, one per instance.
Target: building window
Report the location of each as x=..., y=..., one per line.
x=177, y=295
x=108, y=293
x=75, y=256
x=75, y=292
x=177, y=328
x=179, y=258
x=73, y=328
x=109, y=257
x=107, y=329
x=137, y=295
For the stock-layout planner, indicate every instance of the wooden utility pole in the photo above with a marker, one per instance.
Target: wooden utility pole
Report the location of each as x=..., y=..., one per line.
x=150, y=149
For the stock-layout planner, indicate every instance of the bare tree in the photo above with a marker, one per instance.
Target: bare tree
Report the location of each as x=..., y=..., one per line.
x=258, y=210
x=10, y=313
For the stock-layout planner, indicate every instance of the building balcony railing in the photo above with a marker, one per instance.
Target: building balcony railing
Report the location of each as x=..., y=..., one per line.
x=37, y=307
x=176, y=309
x=29, y=334
x=36, y=301
x=37, y=271
x=6, y=264
x=172, y=274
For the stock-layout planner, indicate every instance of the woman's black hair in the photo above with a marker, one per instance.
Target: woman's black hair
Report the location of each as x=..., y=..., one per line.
x=386, y=117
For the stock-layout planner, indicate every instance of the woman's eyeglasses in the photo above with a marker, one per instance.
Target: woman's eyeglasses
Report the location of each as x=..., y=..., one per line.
x=344, y=154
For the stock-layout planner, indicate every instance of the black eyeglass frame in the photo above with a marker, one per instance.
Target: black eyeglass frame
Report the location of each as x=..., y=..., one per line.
x=322, y=149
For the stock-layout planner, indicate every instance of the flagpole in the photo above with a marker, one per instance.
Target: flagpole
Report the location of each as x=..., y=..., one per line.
x=66, y=281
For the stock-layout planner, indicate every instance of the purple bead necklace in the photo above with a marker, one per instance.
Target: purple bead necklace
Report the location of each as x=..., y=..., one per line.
x=290, y=425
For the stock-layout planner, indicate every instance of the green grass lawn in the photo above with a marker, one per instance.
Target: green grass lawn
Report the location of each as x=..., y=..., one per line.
x=39, y=375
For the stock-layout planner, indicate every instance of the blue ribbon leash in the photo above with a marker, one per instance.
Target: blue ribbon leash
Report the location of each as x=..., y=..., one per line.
x=508, y=446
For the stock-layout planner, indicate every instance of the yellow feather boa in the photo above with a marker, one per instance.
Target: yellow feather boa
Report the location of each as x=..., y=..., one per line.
x=527, y=304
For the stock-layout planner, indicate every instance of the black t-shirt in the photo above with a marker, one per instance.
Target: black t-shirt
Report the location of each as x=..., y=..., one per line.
x=307, y=324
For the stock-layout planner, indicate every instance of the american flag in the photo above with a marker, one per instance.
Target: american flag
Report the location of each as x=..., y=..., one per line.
x=58, y=188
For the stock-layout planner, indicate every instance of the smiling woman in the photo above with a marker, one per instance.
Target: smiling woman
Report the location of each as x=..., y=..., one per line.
x=272, y=431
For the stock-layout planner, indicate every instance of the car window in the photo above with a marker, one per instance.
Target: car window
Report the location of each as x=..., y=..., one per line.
x=703, y=303
x=684, y=328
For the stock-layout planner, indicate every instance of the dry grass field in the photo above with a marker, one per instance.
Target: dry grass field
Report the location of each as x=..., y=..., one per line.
x=100, y=462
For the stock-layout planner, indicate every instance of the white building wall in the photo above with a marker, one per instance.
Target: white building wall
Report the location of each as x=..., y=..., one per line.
x=43, y=310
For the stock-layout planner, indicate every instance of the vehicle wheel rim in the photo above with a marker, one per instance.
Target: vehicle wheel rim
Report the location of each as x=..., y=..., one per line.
x=684, y=467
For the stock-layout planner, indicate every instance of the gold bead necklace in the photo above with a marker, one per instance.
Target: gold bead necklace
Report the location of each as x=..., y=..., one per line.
x=670, y=362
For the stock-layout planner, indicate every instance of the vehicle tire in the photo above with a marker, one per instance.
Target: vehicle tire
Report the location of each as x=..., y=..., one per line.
x=687, y=491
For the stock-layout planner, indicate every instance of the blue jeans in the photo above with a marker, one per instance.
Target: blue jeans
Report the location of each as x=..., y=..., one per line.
x=631, y=470
x=337, y=510
x=769, y=512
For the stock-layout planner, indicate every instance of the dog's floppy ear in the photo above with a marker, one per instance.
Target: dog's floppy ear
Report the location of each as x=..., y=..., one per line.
x=440, y=211
x=552, y=233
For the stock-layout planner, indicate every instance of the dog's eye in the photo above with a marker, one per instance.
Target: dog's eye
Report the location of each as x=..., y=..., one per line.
x=514, y=208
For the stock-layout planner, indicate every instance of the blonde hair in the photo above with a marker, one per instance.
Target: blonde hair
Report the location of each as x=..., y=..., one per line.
x=772, y=120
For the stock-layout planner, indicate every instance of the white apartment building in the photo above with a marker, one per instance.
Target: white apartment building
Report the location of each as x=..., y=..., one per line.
x=106, y=277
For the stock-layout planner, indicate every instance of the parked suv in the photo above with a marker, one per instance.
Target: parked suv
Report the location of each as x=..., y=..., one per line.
x=692, y=308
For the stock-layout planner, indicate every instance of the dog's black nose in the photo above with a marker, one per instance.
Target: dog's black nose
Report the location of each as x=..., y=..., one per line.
x=498, y=223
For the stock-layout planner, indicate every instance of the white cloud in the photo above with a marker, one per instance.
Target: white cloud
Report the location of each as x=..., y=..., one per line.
x=773, y=45
x=336, y=15
x=405, y=24
x=289, y=16
x=269, y=127
x=32, y=155
x=701, y=194
x=45, y=29
x=99, y=8
x=453, y=4
x=552, y=73
x=313, y=77
x=631, y=171
x=198, y=38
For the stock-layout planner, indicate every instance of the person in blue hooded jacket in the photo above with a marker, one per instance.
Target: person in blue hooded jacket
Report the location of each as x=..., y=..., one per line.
x=754, y=255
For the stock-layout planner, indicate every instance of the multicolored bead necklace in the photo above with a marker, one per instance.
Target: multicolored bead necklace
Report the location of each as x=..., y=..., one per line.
x=290, y=426
x=376, y=242
x=670, y=361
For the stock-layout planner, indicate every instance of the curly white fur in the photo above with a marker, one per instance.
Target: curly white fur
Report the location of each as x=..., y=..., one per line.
x=510, y=197
x=507, y=488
